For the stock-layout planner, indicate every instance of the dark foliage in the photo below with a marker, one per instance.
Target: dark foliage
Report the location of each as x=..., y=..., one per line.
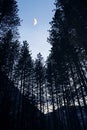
x=36, y=95
x=13, y=118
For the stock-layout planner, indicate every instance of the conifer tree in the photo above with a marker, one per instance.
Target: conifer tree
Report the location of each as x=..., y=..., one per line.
x=9, y=49
x=8, y=16
x=39, y=76
x=65, y=51
x=9, y=45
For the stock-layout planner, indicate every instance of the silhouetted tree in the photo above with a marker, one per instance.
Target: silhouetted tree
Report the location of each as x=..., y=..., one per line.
x=9, y=49
x=9, y=21
x=39, y=77
x=66, y=51
x=8, y=16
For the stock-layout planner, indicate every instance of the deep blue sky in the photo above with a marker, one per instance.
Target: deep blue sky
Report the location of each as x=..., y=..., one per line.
x=36, y=35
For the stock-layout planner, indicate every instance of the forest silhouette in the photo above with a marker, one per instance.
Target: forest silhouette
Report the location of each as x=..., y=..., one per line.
x=40, y=95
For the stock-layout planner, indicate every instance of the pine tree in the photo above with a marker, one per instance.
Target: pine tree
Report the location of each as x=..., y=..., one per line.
x=65, y=51
x=9, y=44
x=24, y=68
x=39, y=76
x=8, y=16
x=9, y=49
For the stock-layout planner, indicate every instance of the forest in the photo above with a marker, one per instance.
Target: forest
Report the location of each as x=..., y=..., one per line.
x=50, y=95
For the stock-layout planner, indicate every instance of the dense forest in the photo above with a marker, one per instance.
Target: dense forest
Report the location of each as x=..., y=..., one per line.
x=49, y=95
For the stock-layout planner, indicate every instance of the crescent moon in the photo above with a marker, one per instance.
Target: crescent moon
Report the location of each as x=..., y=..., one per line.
x=35, y=22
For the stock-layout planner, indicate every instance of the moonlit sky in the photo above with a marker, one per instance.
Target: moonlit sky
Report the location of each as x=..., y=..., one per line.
x=36, y=35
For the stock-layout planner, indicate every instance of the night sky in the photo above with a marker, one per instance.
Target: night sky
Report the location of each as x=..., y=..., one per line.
x=36, y=35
